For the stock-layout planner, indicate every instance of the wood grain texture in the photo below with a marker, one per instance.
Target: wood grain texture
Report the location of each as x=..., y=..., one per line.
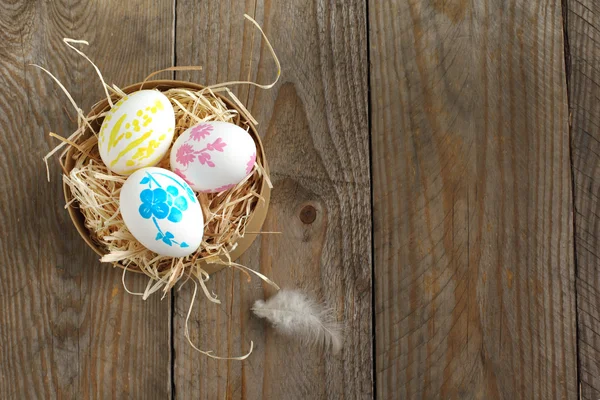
x=474, y=268
x=68, y=328
x=212, y=34
x=314, y=127
x=584, y=91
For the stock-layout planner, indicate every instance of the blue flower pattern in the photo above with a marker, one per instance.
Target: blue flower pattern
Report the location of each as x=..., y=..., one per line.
x=159, y=203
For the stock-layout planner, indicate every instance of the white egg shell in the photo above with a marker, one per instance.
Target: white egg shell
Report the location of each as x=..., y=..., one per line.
x=137, y=132
x=162, y=212
x=213, y=156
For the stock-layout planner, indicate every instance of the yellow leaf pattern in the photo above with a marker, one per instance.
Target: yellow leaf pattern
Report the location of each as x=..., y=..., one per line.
x=124, y=128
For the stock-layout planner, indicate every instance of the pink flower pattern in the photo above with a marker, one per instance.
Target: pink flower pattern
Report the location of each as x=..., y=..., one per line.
x=250, y=163
x=201, y=131
x=217, y=145
x=204, y=158
x=185, y=154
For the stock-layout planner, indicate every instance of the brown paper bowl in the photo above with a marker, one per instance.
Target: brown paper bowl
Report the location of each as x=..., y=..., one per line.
x=255, y=221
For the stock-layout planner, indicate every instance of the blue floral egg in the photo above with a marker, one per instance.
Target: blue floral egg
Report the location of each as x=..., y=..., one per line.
x=161, y=211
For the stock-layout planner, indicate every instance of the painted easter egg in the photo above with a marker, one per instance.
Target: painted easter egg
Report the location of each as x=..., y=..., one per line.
x=162, y=212
x=137, y=132
x=213, y=156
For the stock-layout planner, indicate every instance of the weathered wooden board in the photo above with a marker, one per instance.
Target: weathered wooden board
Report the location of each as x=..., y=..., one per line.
x=473, y=256
x=314, y=127
x=68, y=328
x=583, y=22
x=473, y=210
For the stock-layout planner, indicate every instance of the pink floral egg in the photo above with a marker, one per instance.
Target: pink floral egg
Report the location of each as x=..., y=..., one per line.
x=213, y=156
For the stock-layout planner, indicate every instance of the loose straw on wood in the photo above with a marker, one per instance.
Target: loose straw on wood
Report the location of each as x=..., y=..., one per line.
x=96, y=191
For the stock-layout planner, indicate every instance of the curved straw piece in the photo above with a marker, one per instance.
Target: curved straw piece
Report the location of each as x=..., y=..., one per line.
x=182, y=68
x=79, y=113
x=208, y=353
x=268, y=86
x=69, y=42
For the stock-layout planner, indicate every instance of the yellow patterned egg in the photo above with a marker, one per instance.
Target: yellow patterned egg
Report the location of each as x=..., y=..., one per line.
x=137, y=132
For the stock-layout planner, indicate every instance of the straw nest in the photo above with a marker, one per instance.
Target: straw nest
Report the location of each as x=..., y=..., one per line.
x=95, y=191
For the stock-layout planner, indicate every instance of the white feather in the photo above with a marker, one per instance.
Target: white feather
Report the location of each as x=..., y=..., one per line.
x=293, y=313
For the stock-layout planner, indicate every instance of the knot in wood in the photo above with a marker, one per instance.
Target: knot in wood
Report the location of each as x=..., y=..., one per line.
x=308, y=214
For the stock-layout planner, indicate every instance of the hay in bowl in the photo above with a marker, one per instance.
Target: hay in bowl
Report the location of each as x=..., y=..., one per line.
x=233, y=218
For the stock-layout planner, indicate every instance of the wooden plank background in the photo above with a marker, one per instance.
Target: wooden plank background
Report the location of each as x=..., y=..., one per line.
x=68, y=328
x=447, y=153
x=474, y=270
x=583, y=22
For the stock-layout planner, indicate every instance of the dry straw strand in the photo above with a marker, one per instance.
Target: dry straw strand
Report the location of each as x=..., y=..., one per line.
x=70, y=42
x=178, y=68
